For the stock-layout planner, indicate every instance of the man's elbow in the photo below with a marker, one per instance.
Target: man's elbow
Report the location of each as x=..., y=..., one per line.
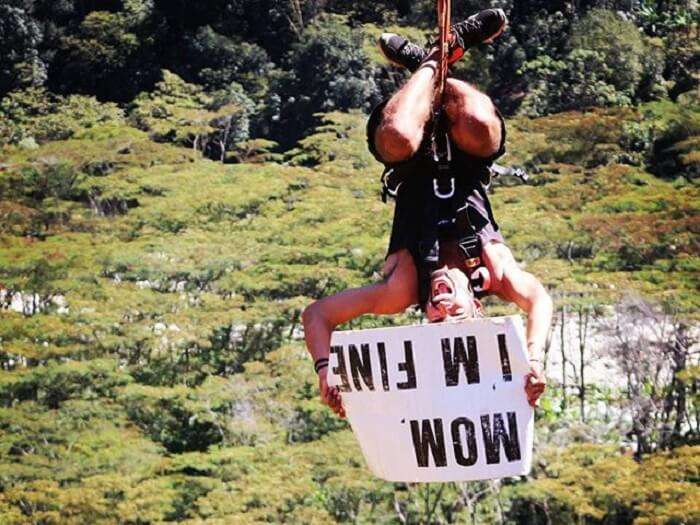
x=313, y=316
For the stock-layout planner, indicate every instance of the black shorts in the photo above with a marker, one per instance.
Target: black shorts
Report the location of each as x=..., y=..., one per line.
x=406, y=229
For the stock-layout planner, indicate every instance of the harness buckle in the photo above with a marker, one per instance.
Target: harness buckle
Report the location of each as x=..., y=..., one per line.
x=445, y=155
x=387, y=185
x=473, y=262
x=444, y=196
x=470, y=247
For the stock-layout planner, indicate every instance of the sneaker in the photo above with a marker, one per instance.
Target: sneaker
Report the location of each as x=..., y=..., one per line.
x=481, y=28
x=400, y=52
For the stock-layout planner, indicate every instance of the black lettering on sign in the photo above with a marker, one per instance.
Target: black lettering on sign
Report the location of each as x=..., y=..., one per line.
x=470, y=440
x=460, y=358
x=409, y=367
x=360, y=366
x=381, y=350
x=427, y=441
x=340, y=370
x=505, y=359
x=493, y=439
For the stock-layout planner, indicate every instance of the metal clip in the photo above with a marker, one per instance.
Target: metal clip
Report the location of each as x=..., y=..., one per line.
x=444, y=196
x=393, y=193
x=386, y=185
x=438, y=157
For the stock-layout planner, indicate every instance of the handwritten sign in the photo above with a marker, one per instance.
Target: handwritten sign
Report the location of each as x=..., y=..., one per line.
x=439, y=402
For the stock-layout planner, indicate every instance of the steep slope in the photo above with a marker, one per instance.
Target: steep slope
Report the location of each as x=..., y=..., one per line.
x=156, y=372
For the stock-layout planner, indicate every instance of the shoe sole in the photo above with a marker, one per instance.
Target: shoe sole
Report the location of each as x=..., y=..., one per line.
x=395, y=64
x=392, y=62
x=490, y=39
x=500, y=31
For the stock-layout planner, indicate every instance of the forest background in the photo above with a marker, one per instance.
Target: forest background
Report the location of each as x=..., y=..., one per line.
x=179, y=179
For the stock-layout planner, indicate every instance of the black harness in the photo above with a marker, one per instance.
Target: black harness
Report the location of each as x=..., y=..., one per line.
x=444, y=189
x=446, y=214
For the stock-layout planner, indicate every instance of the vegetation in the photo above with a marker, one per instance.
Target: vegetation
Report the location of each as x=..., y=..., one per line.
x=178, y=180
x=284, y=60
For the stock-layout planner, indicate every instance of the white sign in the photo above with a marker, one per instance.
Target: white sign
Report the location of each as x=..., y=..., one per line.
x=438, y=402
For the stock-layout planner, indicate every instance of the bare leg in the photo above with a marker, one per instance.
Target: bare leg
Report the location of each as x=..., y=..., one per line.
x=474, y=124
x=401, y=130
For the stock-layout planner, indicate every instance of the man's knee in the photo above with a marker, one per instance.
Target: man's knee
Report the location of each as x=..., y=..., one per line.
x=485, y=124
x=397, y=141
x=399, y=289
x=475, y=124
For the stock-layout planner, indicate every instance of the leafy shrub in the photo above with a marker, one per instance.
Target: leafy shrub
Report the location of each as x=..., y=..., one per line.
x=232, y=346
x=594, y=484
x=184, y=114
x=57, y=382
x=36, y=113
x=653, y=85
x=668, y=18
x=180, y=418
x=312, y=422
x=603, y=68
x=674, y=151
x=57, y=180
x=43, y=195
x=39, y=278
x=682, y=60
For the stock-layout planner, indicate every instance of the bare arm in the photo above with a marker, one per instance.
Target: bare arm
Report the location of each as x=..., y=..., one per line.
x=522, y=288
x=514, y=285
x=527, y=292
x=394, y=294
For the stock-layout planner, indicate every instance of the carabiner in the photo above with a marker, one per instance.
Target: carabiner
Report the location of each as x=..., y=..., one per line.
x=444, y=196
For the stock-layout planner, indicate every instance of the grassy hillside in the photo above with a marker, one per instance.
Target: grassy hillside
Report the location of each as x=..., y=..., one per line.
x=157, y=374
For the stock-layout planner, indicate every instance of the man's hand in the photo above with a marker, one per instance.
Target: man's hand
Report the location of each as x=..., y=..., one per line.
x=535, y=383
x=330, y=395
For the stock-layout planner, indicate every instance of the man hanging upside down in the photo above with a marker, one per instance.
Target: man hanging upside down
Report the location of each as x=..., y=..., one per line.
x=445, y=249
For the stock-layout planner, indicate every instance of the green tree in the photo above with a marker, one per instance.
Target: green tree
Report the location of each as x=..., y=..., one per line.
x=110, y=54
x=619, y=44
x=327, y=70
x=20, y=37
x=184, y=114
x=604, y=67
x=219, y=61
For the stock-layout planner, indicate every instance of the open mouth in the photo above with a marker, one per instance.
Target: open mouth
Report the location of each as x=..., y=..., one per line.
x=447, y=301
x=443, y=303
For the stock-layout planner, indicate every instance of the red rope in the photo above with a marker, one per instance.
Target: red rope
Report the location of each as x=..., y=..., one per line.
x=444, y=8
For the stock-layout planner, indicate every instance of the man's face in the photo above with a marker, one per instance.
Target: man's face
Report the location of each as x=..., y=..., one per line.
x=451, y=297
